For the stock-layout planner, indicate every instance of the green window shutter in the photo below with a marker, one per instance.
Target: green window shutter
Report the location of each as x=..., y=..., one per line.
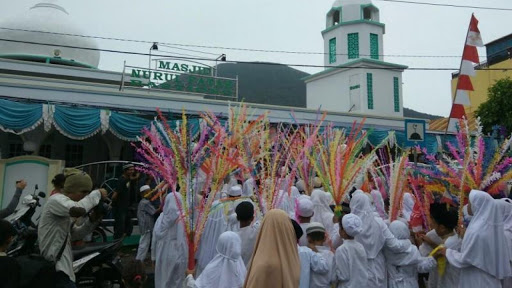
x=396, y=94
x=374, y=46
x=332, y=50
x=353, y=45
x=369, y=89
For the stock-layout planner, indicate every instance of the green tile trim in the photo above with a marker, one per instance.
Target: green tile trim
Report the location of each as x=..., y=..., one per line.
x=353, y=45
x=332, y=50
x=396, y=94
x=374, y=46
x=369, y=88
x=352, y=23
x=355, y=87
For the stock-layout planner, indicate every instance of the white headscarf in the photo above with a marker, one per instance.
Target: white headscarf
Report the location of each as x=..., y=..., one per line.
x=484, y=245
x=412, y=256
x=378, y=203
x=322, y=212
x=371, y=237
x=170, y=217
x=407, y=206
x=506, y=206
x=248, y=188
x=227, y=269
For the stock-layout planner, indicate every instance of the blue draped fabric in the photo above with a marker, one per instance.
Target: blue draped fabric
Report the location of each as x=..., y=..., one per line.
x=77, y=123
x=19, y=116
x=127, y=126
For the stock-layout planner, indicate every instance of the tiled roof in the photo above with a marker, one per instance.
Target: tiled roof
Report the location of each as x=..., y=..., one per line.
x=441, y=123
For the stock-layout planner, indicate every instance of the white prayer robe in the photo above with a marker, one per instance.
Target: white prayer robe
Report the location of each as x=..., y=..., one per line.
x=215, y=225
x=171, y=245
x=303, y=241
x=248, y=237
x=351, y=265
x=506, y=205
x=403, y=268
x=484, y=258
x=451, y=273
x=322, y=212
x=226, y=270
x=310, y=261
x=323, y=280
x=374, y=238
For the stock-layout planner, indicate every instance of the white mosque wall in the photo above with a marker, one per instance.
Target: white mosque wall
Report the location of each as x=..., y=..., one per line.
x=333, y=93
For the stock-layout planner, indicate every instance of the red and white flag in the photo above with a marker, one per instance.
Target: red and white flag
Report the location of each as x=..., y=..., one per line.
x=469, y=59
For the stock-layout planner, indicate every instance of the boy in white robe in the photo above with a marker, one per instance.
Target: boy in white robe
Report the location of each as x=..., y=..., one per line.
x=316, y=238
x=247, y=233
x=484, y=258
x=171, y=249
x=304, y=211
x=403, y=268
x=444, y=221
x=310, y=259
x=350, y=261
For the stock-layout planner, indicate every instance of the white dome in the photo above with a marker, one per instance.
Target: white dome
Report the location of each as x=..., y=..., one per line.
x=339, y=3
x=50, y=17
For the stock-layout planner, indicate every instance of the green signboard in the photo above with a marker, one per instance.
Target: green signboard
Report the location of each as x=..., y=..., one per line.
x=184, y=77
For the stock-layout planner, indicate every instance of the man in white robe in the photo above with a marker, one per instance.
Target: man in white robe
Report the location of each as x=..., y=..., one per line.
x=171, y=249
x=484, y=258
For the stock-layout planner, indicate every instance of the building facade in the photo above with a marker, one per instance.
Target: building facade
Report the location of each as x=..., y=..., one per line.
x=357, y=79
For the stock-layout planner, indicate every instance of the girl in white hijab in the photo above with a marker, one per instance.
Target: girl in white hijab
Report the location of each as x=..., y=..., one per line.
x=171, y=249
x=322, y=211
x=227, y=269
x=374, y=237
x=403, y=268
x=484, y=258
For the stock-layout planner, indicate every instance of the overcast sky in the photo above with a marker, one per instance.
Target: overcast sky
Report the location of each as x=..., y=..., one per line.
x=291, y=25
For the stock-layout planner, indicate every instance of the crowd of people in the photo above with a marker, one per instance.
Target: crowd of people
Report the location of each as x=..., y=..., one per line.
x=305, y=243
x=302, y=243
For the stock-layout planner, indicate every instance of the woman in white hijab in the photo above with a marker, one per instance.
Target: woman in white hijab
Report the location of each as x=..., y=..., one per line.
x=322, y=212
x=506, y=205
x=407, y=206
x=171, y=249
x=374, y=238
x=484, y=258
x=227, y=269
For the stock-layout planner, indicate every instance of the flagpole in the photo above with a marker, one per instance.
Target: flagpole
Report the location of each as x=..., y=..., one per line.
x=458, y=77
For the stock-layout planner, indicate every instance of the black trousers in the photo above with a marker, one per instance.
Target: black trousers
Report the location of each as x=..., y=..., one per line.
x=123, y=222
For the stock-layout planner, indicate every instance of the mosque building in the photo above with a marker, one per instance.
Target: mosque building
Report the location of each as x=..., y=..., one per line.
x=56, y=103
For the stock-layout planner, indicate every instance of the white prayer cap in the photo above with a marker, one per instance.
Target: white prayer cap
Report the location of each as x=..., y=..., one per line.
x=144, y=188
x=317, y=183
x=235, y=191
x=315, y=227
x=301, y=186
x=352, y=224
x=305, y=208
